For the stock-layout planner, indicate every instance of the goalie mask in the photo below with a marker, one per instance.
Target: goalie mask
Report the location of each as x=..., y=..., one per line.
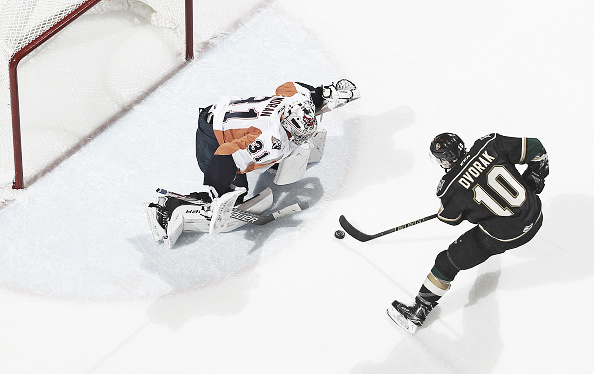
x=447, y=149
x=299, y=119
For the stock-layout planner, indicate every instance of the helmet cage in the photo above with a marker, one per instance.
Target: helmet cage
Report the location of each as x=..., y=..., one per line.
x=299, y=120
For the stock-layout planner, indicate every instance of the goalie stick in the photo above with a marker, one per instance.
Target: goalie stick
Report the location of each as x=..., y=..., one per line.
x=254, y=219
x=362, y=237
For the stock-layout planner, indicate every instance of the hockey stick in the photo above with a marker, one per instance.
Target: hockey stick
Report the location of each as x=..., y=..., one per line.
x=259, y=220
x=185, y=198
x=362, y=237
x=240, y=215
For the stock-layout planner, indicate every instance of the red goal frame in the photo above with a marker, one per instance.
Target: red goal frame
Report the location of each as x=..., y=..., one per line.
x=18, y=56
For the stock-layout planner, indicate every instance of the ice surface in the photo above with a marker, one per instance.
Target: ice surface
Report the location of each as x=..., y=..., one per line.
x=86, y=290
x=153, y=146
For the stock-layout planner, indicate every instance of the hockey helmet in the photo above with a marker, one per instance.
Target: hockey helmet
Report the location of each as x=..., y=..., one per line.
x=299, y=118
x=447, y=149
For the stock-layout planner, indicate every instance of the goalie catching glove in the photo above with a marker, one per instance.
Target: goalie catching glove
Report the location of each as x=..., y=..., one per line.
x=338, y=94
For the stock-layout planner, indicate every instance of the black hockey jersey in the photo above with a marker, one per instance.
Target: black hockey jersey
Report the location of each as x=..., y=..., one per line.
x=487, y=189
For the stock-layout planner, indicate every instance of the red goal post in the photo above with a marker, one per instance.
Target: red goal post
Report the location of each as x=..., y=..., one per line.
x=41, y=20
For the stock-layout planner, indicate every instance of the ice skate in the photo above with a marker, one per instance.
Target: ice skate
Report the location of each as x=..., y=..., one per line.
x=164, y=225
x=157, y=217
x=411, y=317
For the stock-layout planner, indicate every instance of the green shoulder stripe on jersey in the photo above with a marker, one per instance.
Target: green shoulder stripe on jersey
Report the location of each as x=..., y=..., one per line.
x=534, y=148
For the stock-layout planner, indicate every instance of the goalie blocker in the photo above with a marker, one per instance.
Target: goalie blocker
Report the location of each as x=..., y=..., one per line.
x=292, y=168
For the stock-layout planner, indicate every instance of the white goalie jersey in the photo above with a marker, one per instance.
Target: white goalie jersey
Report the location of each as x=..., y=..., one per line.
x=257, y=132
x=250, y=129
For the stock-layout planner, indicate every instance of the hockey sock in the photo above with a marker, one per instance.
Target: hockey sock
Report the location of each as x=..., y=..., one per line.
x=433, y=289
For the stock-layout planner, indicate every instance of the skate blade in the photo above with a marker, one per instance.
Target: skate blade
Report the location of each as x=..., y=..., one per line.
x=157, y=231
x=174, y=230
x=401, y=321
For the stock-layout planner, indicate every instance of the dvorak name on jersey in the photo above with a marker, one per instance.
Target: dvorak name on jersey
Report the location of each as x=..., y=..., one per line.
x=475, y=169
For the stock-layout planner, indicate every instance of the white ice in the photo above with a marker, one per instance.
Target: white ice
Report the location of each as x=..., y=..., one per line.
x=85, y=290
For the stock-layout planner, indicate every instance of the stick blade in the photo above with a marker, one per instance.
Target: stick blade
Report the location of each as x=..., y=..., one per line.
x=352, y=231
x=291, y=209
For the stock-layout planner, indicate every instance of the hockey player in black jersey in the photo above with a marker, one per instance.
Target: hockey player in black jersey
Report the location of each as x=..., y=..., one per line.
x=484, y=187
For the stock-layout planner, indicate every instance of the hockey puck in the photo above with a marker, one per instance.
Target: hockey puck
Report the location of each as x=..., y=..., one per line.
x=339, y=234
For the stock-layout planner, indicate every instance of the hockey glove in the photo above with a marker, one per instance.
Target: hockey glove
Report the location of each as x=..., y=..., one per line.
x=336, y=95
x=535, y=183
x=535, y=174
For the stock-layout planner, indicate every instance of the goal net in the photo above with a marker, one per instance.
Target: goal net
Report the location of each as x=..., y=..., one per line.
x=70, y=67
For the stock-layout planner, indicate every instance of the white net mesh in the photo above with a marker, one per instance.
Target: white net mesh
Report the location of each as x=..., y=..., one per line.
x=133, y=45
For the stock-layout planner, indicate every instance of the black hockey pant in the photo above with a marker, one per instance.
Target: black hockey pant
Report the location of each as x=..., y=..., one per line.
x=473, y=248
x=207, y=144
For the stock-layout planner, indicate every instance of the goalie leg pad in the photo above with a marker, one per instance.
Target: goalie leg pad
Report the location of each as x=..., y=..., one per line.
x=197, y=219
x=256, y=205
x=221, y=210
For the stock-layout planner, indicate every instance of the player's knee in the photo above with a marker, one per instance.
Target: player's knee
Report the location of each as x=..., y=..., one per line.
x=444, y=268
